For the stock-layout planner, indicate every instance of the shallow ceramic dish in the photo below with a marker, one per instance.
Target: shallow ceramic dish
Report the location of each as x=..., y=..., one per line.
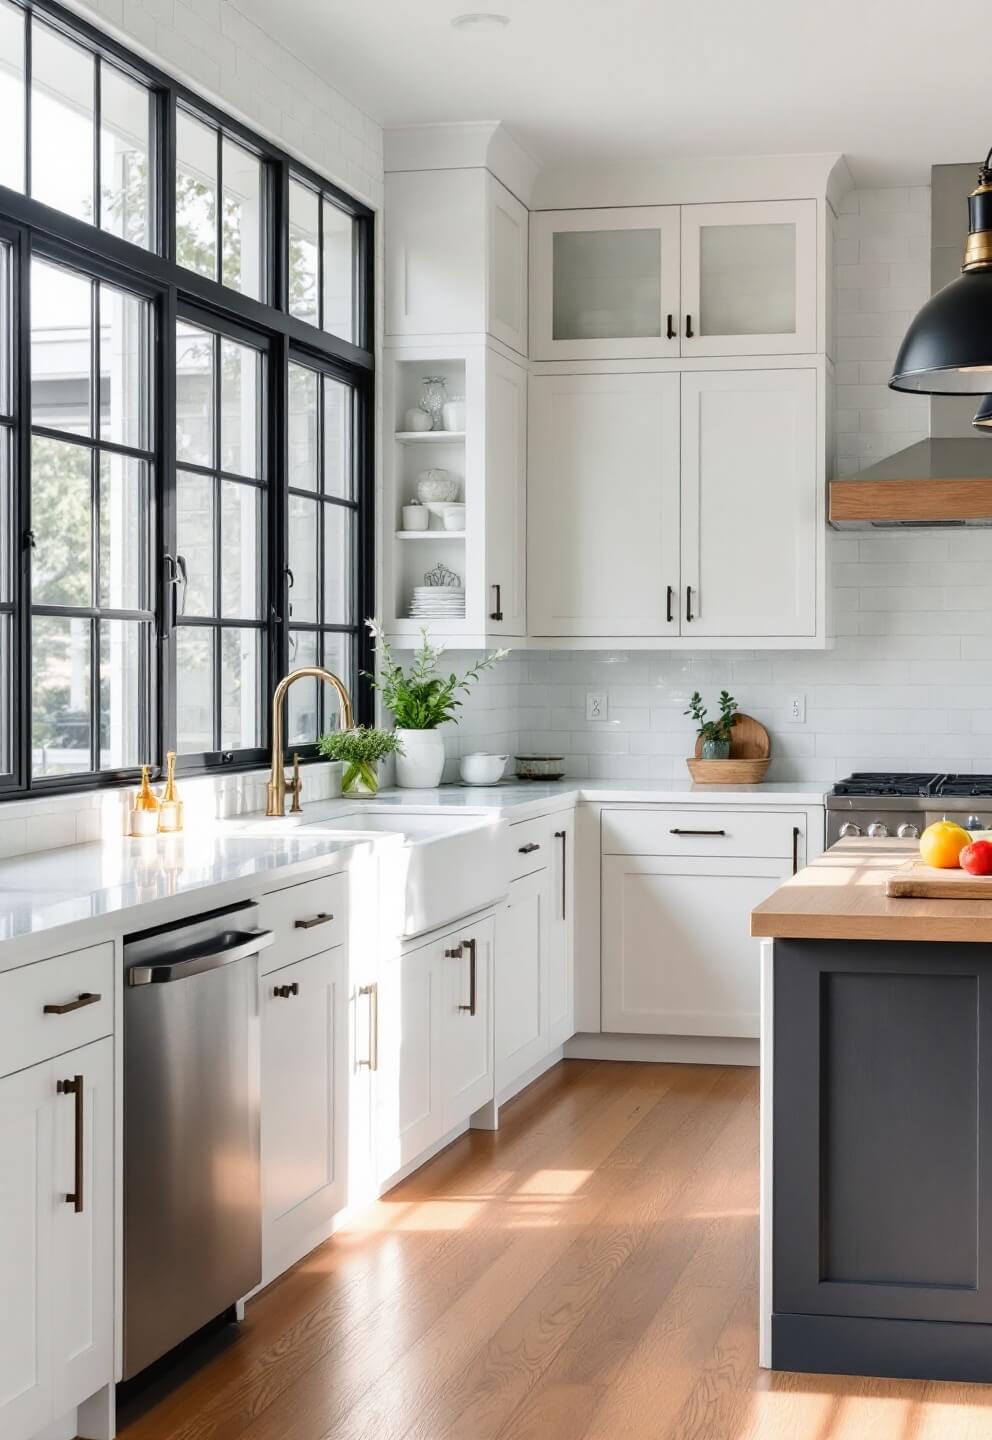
x=540, y=767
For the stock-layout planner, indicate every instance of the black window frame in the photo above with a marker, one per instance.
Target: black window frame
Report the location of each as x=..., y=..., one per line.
x=27, y=224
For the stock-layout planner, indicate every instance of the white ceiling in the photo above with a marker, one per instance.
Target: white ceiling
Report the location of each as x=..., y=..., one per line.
x=896, y=85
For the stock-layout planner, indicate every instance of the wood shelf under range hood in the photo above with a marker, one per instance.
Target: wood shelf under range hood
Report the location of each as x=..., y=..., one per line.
x=866, y=504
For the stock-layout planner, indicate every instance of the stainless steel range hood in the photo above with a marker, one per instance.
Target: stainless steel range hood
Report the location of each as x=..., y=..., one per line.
x=944, y=481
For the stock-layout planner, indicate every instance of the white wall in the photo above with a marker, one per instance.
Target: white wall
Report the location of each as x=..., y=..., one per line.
x=215, y=50
x=908, y=682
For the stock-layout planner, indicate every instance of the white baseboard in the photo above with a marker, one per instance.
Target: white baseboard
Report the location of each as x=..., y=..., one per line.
x=677, y=1049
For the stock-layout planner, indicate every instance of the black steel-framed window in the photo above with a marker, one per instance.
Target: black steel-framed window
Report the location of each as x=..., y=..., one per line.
x=323, y=533
x=218, y=659
x=116, y=222
x=92, y=481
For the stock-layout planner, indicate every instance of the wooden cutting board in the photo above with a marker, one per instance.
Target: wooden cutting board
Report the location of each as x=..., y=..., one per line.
x=748, y=740
x=916, y=881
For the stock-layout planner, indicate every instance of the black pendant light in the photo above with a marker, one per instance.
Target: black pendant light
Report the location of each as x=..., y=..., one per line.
x=983, y=416
x=947, y=349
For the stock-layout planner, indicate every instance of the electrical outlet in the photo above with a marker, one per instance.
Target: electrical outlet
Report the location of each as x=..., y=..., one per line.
x=796, y=711
x=597, y=706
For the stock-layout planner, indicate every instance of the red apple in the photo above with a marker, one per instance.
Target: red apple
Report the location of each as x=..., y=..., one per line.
x=976, y=858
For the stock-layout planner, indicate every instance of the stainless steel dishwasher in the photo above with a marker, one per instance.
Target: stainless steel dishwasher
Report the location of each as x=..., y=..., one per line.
x=192, y=1200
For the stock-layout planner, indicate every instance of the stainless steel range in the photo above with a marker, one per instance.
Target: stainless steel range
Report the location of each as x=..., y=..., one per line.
x=878, y=804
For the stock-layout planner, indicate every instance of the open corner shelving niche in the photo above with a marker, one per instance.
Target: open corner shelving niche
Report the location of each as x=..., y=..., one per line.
x=418, y=552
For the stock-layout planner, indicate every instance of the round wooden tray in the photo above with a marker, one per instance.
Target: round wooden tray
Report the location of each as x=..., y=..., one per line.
x=750, y=750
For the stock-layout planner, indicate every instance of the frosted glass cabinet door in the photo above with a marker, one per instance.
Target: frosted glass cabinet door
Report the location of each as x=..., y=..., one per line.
x=749, y=278
x=606, y=283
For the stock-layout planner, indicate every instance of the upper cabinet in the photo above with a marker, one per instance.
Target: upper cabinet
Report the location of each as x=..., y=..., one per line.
x=668, y=281
x=456, y=256
x=605, y=283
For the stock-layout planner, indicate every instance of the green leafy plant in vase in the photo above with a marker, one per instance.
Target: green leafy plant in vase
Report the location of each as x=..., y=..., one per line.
x=715, y=734
x=421, y=700
x=360, y=750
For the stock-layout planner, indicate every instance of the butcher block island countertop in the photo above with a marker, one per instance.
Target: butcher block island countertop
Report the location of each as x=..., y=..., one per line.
x=841, y=896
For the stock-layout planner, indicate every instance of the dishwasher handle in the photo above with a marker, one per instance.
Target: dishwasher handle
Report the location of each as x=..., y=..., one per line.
x=240, y=944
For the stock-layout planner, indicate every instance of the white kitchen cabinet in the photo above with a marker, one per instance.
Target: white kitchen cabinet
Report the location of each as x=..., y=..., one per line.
x=506, y=496
x=435, y=1064
x=56, y=1257
x=455, y=256
x=522, y=978
x=561, y=958
x=749, y=278
x=506, y=239
x=749, y=503
x=304, y=1013
x=603, y=505
x=667, y=281
x=605, y=283
x=466, y=1024
x=677, y=954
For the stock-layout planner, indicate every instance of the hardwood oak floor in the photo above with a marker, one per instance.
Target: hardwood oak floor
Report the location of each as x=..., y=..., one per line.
x=588, y=1273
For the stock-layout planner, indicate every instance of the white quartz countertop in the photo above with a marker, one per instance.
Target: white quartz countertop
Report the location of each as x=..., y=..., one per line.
x=75, y=888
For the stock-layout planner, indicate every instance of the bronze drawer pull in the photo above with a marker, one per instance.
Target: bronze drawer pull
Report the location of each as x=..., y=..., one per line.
x=283, y=992
x=470, y=945
x=676, y=831
x=80, y=1003
x=562, y=835
x=528, y=849
x=795, y=849
x=323, y=918
x=75, y=1087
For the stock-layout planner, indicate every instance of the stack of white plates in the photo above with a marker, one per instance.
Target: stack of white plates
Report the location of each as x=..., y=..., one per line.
x=436, y=601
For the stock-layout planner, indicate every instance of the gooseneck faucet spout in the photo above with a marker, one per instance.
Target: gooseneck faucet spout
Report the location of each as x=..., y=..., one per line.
x=279, y=787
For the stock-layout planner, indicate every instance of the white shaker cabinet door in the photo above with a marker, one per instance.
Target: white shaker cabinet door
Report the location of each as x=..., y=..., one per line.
x=521, y=978
x=506, y=239
x=678, y=958
x=408, y=1081
x=603, y=505
x=506, y=496
x=435, y=247
x=749, y=278
x=304, y=1080
x=27, y=1204
x=467, y=1023
x=750, y=514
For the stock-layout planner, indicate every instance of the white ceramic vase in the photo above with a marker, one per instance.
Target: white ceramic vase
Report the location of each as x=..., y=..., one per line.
x=421, y=763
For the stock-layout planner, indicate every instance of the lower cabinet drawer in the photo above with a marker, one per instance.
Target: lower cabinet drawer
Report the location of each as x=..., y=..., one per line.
x=304, y=919
x=700, y=831
x=530, y=846
x=55, y=1005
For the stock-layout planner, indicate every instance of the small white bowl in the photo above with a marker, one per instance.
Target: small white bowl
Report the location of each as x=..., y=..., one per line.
x=482, y=769
x=454, y=517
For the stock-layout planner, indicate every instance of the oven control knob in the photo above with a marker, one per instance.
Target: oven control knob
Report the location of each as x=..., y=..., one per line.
x=908, y=832
x=974, y=822
x=849, y=829
x=877, y=831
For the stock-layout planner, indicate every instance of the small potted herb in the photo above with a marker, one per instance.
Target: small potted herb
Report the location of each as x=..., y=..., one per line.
x=715, y=734
x=360, y=750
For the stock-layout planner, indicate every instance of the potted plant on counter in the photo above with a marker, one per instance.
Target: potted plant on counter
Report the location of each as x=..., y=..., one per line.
x=715, y=734
x=360, y=750
x=421, y=700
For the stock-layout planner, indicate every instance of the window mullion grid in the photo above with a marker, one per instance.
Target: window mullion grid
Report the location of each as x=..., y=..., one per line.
x=97, y=126
x=22, y=521
x=219, y=216
x=218, y=540
x=28, y=88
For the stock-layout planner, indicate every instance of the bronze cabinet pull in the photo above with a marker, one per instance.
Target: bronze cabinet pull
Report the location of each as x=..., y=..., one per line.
x=688, y=603
x=80, y=1003
x=668, y=605
x=283, y=992
x=562, y=835
x=75, y=1087
x=323, y=918
x=688, y=327
x=670, y=331
x=497, y=614
x=471, y=947
x=528, y=849
x=677, y=831
x=372, y=991
x=795, y=849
